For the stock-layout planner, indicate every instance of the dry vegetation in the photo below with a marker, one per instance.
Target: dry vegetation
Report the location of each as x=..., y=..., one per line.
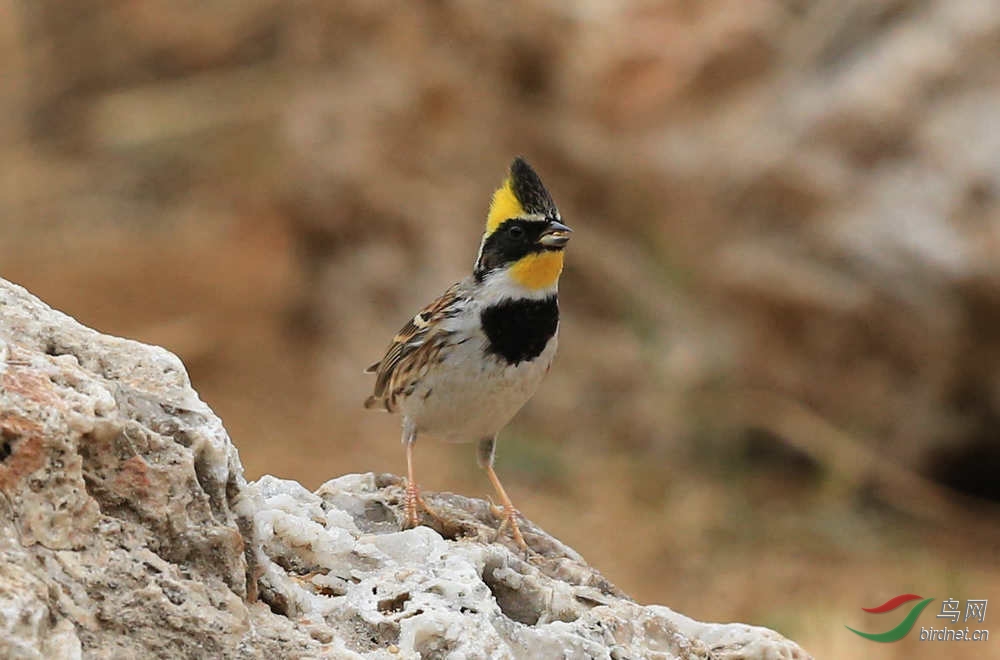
x=781, y=339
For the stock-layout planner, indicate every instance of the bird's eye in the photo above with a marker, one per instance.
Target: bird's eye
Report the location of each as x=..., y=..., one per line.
x=516, y=231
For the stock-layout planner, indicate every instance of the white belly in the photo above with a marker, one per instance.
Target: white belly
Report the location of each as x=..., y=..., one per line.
x=472, y=397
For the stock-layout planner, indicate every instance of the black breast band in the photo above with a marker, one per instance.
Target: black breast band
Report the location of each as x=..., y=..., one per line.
x=518, y=330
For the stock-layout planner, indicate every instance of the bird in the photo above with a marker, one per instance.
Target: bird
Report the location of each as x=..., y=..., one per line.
x=464, y=365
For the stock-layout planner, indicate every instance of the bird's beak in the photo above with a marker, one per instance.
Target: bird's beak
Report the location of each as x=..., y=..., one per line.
x=556, y=235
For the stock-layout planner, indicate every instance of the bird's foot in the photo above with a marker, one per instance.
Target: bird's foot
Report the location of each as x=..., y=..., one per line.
x=413, y=503
x=508, y=517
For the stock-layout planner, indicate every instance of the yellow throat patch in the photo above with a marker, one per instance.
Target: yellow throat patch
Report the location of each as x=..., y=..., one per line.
x=538, y=271
x=503, y=206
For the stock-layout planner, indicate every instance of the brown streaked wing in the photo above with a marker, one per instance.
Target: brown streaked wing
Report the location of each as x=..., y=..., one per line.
x=406, y=345
x=410, y=371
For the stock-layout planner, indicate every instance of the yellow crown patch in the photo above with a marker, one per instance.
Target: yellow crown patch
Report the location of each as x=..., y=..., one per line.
x=504, y=205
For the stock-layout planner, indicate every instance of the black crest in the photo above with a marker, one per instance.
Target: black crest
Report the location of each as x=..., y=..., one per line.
x=529, y=190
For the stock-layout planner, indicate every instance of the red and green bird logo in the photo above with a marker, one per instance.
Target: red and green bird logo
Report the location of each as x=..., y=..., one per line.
x=900, y=631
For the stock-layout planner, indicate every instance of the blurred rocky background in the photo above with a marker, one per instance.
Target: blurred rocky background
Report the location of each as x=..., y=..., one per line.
x=777, y=398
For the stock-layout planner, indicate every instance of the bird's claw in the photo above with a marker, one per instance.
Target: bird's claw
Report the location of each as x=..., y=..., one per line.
x=413, y=502
x=508, y=517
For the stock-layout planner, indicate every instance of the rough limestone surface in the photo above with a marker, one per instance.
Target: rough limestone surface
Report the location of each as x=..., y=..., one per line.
x=128, y=531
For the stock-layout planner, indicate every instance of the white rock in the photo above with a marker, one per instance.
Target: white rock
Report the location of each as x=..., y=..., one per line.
x=128, y=530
